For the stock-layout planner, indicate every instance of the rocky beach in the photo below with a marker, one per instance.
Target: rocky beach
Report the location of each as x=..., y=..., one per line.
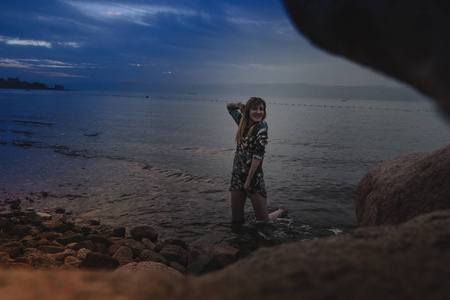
x=52, y=241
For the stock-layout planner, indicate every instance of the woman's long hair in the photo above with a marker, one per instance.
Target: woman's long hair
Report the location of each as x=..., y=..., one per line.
x=254, y=101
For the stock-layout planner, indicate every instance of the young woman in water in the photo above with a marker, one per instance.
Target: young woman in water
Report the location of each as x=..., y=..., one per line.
x=247, y=177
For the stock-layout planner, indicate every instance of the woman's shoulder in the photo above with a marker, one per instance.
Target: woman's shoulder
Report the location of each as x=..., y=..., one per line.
x=263, y=124
x=261, y=128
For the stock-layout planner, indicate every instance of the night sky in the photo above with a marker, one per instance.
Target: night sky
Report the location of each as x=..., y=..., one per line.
x=131, y=44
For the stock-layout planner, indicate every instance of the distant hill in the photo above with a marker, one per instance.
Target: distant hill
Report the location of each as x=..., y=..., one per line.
x=15, y=83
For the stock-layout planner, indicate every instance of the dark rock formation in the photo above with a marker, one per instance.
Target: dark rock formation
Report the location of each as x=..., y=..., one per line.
x=404, y=39
x=402, y=188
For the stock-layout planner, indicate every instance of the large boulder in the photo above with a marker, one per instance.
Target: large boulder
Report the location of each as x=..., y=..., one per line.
x=397, y=190
x=407, y=39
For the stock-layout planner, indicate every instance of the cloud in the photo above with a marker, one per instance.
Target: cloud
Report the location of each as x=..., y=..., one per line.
x=14, y=63
x=43, y=63
x=19, y=42
x=121, y=12
x=70, y=44
x=22, y=42
x=58, y=74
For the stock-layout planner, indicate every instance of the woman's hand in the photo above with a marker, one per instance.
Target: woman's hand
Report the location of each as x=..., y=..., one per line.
x=247, y=185
x=251, y=172
x=234, y=105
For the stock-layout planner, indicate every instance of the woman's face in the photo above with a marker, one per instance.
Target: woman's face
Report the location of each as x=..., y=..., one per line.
x=256, y=113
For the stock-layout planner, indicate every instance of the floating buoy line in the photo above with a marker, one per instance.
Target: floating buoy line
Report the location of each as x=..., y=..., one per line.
x=311, y=105
x=269, y=103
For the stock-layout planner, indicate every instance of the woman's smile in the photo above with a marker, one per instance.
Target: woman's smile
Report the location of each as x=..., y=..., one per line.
x=257, y=113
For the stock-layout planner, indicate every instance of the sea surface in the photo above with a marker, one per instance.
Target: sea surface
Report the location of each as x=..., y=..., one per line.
x=130, y=159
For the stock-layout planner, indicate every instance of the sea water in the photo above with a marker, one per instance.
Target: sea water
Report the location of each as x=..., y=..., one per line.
x=130, y=159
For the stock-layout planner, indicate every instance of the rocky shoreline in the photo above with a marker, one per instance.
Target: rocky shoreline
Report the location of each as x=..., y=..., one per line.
x=31, y=239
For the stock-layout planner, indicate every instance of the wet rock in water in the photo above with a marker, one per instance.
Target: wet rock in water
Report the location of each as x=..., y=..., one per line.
x=98, y=238
x=50, y=249
x=119, y=232
x=14, y=248
x=73, y=238
x=136, y=247
x=86, y=244
x=70, y=263
x=40, y=260
x=53, y=225
x=63, y=255
x=102, y=248
x=94, y=222
x=199, y=261
x=149, y=266
x=43, y=216
x=4, y=257
x=224, y=255
x=124, y=255
x=399, y=189
x=144, y=231
x=148, y=244
x=49, y=235
x=178, y=242
x=60, y=210
x=95, y=260
x=15, y=204
x=197, y=253
x=175, y=253
x=113, y=248
x=20, y=230
x=149, y=255
x=81, y=253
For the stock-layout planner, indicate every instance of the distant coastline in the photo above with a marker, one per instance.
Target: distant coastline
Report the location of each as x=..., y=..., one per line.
x=15, y=83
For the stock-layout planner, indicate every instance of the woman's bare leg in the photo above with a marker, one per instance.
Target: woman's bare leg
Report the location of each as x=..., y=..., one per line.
x=238, y=198
x=281, y=212
x=259, y=207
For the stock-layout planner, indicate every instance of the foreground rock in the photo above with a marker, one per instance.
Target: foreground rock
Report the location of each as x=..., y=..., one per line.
x=409, y=261
x=404, y=39
x=402, y=188
x=148, y=266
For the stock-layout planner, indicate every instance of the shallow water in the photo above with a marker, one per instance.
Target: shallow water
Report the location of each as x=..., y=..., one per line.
x=165, y=160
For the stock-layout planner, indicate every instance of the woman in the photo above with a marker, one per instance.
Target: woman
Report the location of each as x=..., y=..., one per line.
x=247, y=177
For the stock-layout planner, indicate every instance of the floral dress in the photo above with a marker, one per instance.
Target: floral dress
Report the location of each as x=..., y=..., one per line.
x=249, y=147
